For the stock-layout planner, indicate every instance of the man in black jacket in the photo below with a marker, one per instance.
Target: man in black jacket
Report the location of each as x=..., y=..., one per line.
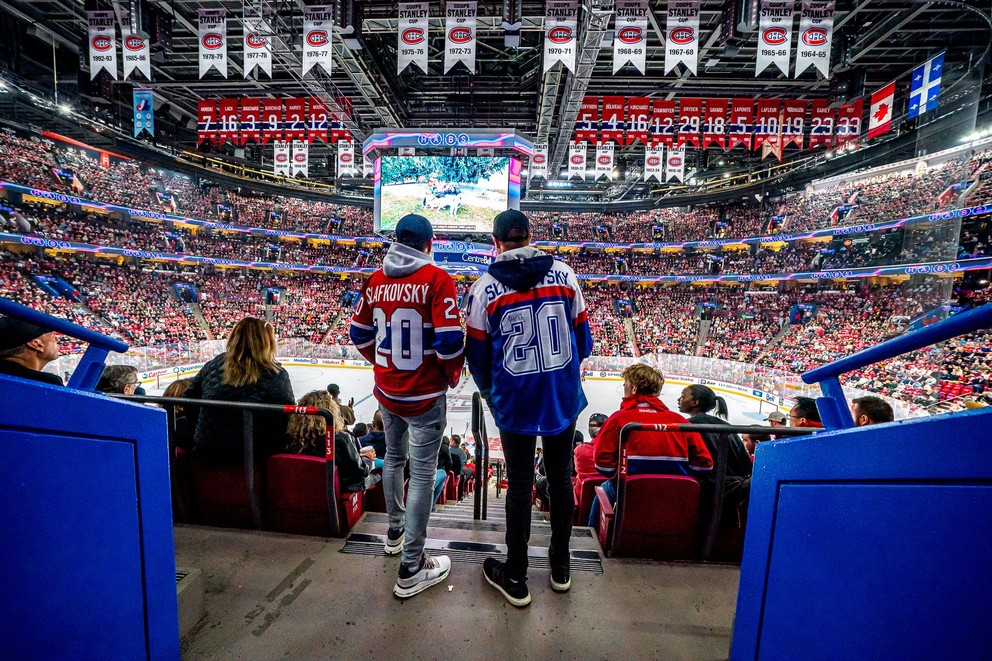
x=26, y=348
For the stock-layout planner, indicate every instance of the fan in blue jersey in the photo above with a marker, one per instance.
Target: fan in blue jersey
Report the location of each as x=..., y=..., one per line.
x=527, y=336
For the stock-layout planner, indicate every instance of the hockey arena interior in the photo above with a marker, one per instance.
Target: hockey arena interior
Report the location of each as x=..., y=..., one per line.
x=289, y=291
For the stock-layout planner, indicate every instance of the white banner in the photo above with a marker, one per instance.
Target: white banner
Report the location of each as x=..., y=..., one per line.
x=346, y=159
x=318, y=27
x=577, y=161
x=816, y=31
x=213, y=41
x=103, y=43
x=411, y=38
x=301, y=159
x=257, y=49
x=539, y=161
x=368, y=167
x=486, y=151
x=560, y=27
x=675, y=163
x=134, y=49
x=654, y=164
x=775, y=35
x=459, y=34
x=630, y=36
x=604, y=161
x=682, y=35
x=280, y=159
x=406, y=151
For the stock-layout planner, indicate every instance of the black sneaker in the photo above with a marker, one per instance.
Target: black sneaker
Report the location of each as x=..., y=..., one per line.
x=516, y=592
x=561, y=579
x=394, y=541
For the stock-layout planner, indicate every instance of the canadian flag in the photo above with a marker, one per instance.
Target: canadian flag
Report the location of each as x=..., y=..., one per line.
x=880, y=118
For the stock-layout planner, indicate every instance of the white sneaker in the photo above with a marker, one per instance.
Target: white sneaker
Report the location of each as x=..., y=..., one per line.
x=432, y=571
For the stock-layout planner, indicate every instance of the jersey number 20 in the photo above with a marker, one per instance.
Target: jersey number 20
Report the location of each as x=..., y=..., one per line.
x=536, y=341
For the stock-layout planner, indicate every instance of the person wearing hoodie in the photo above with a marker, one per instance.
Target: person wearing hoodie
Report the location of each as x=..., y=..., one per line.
x=407, y=324
x=527, y=336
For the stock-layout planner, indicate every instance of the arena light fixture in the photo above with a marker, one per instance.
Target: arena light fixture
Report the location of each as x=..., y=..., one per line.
x=65, y=109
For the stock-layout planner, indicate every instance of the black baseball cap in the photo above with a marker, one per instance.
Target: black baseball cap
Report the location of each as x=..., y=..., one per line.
x=511, y=225
x=333, y=389
x=16, y=332
x=597, y=418
x=414, y=229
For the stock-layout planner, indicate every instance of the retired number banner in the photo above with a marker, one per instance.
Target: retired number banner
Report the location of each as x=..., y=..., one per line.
x=271, y=120
x=821, y=128
x=411, y=38
x=682, y=35
x=318, y=28
x=229, y=120
x=766, y=123
x=715, y=123
x=577, y=160
x=251, y=120
x=587, y=123
x=317, y=120
x=741, y=121
x=539, y=161
x=206, y=121
x=638, y=119
x=613, y=122
x=690, y=116
x=793, y=121
x=848, y=131
x=296, y=119
x=630, y=36
x=560, y=25
x=663, y=123
x=816, y=31
x=213, y=41
x=459, y=34
x=103, y=43
x=775, y=35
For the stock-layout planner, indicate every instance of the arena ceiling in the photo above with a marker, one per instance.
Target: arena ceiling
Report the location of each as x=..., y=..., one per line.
x=874, y=42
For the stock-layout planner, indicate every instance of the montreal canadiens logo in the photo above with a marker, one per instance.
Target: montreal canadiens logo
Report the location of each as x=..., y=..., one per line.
x=300, y=158
x=255, y=40
x=630, y=35
x=459, y=35
x=560, y=35
x=345, y=158
x=604, y=160
x=683, y=35
x=282, y=158
x=212, y=41
x=654, y=161
x=317, y=38
x=815, y=37
x=773, y=36
x=577, y=159
x=102, y=43
x=134, y=43
x=538, y=158
x=413, y=36
x=675, y=161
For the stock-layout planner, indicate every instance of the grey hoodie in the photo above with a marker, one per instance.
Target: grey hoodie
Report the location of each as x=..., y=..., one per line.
x=401, y=260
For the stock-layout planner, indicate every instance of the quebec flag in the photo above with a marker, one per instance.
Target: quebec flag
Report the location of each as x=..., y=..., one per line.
x=925, y=89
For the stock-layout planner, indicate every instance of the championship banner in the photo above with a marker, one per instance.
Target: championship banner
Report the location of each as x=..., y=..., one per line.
x=296, y=119
x=690, y=116
x=675, y=164
x=604, y=161
x=271, y=120
x=821, y=130
x=411, y=38
x=880, y=115
x=103, y=43
x=654, y=164
x=144, y=112
x=715, y=123
x=368, y=166
x=317, y=120
x=662, y=123
x=630, y=36
x=406, y=151
x=539, y=161
x=793, y=122
x=213, y=41
x=741, y=122
x=280, y=159
x=577, y=160
x=318, y=28
x=206, y=121
x=134, y=49
x=848, y=130
x=459, y=34
x=613, y=122
x=816, y=31
x=775, y=35
x=301, y=159
x=346, y=159
x=586, y=124
x=257, y=50
x=229, y=120
x=560, y=23
x=251, y=121
x=766, y=122
x=682, y=35
x=638, y=120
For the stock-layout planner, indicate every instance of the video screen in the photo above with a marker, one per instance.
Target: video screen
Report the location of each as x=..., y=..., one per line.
x=460, y=194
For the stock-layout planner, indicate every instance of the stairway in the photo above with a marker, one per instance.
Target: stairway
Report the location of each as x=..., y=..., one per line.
x=201, y=321
x=704, y=334
x=270, y=314
x=331, y=328
x=772, y=343
x=628, y=326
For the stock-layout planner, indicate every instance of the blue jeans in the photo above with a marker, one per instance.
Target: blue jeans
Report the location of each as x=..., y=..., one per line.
x=419, y=439
x=439, y=477
x=611, y=493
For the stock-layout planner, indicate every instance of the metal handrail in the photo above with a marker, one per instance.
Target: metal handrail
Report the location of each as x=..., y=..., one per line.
x=87, y=374
x=833, y=404
x=481, y=504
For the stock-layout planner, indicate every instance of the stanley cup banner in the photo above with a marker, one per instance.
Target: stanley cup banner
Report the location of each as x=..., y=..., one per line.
x=301, y=159
x=682, y=35
x=630, y=36
x=577, y=161
x=539, y=161
x=654, y=164
x=144, y=112
x=675, y=164
x=135, y=49
x=411, y=37
x=459, y=34
x=560, y=26
x=775, y=35
x=604, y=161
x=318, y=26
x=346, y=159
x=213, y=41
x=368, y=166
x=257, y=49
x=280, y=159
x=816, y=31
x=103, y=43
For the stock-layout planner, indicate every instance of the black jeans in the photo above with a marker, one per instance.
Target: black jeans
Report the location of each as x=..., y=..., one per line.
x=519, y=452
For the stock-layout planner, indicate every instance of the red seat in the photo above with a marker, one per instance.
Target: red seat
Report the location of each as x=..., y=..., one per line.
x=375, y=499
x=220, y=495
x=443, y=498
x=586, y=495
x=451, y=487
x=297, y=497
x=657, y=518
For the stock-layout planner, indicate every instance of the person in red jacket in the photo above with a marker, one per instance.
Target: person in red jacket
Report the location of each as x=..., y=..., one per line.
x=669, y=452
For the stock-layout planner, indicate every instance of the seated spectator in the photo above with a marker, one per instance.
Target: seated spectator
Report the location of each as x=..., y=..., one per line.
x=246, y=372
x=26, y=348
x=443, y=466
x=774, y=419
x=306, y=434
x=182, y=435
x=458, y=456
x=804, y=413
x=118, y=379
x=359, y=429
x=584, y=462
x=376, y=439
x=871, y=410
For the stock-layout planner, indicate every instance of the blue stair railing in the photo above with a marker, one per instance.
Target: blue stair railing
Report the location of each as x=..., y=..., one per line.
x=833, y=408
x=87, y=374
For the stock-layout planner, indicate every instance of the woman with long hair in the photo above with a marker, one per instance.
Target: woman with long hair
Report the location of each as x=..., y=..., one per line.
x=246, y=372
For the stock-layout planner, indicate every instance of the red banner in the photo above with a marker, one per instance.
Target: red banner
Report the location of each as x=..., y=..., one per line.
x=206, y=122
x=741, y=122
x=229, y=121
x=766, y=123
x=715, y=123
x=793, y=122
x=338, y=130
x=690, y=116
x=614, y=119
x=586, y=124
x=296, y=119
x=271, y=120
x=317, y=120
x=821, y=129
x=849, y=123
x=638, y=119
x=251, y=120
x=663, y=123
